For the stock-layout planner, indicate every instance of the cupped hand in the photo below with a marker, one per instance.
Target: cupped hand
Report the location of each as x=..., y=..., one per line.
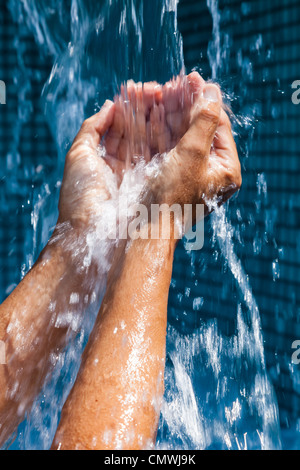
x=87, y=181
x=149, y=120
x=184, y=129
x=183, y=125
x=182, y=122
x=139, y=123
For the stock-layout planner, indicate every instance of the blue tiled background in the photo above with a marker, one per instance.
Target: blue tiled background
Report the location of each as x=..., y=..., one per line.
x=259, y=65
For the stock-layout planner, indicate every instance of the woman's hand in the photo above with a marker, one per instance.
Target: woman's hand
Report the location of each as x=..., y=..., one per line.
x=183, y=123
x=87, y=181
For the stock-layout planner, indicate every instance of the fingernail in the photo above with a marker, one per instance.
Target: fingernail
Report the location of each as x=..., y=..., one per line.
x=211, y=93
x=108, y=103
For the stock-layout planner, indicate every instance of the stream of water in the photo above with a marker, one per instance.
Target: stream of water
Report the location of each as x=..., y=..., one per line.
x=218, y=394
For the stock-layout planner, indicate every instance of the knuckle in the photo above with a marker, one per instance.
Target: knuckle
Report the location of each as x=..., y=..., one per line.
x=225, y=119
x=239, y=179
x=234, y=177
x=85, y=125
x=211, y=113
x=196, y=148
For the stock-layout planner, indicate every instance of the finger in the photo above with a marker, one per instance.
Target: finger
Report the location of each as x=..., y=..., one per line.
x=177, y=124
x=140, y=133
x=164, y=135
x=117, y=129
x=204, y=123
x=104, y=119
x=224, y=156
x=94, y=128
x=195, y=86
x=171, y=96
x=180, y=96
x=111, y=143
x=117, y=166
x=181, y=92
x=129, y=92
x=224, y=138
x=152, y=94
x=154, y=128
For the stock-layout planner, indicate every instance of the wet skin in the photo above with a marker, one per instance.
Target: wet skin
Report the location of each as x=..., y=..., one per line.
x=115, y=402
x=116, y=399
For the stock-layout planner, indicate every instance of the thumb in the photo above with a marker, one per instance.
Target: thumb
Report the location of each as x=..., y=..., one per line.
x=94, y=128
x=204, y=123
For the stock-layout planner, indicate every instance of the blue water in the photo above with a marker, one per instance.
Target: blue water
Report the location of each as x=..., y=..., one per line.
x=218, y=392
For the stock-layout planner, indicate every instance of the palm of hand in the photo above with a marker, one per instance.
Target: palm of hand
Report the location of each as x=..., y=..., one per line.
x=145, y=120
x=149, y=119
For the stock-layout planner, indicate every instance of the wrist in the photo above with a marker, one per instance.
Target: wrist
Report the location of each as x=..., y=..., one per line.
x=145, y=250
x=69, y=247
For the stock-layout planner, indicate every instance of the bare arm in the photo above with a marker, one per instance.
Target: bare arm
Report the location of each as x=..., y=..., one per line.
x=115, y=402
x=117, y=399
x=34, y=319
x=33, y=325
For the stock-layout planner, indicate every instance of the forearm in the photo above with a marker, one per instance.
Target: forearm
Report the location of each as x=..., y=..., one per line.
x=33, y=324
x=116, y=399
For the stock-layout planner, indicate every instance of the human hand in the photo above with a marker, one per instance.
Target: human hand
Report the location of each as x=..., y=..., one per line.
x=87, y=180
x=174, y=120
x=149, y=120
x=203, y=166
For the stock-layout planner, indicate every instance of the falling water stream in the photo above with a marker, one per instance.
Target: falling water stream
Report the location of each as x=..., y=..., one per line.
x=218, y=394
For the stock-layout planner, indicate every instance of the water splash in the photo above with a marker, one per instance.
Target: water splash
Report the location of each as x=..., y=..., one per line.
x=235, y=406
x=234, y=367
x=217, y=391
x=214, y=47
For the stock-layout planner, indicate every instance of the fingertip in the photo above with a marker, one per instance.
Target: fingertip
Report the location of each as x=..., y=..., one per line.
x=105, y=117
x=195, y=81
x=158, y=93
x=108, y=103
x=212, y=93
x=208, y=106
x=106, y=108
